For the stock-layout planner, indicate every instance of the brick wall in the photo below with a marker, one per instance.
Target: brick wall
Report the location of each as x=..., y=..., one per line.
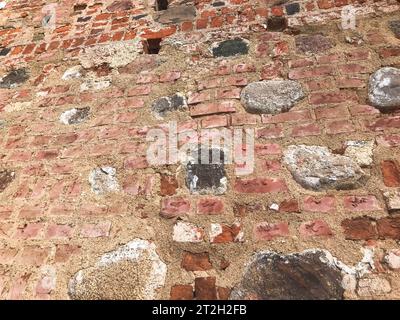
x=110, y=61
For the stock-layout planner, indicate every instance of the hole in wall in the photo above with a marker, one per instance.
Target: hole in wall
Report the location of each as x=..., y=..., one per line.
x=152, y=46
x=161, y=5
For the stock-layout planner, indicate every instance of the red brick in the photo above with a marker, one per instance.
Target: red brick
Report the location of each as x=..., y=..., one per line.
x=292, y=116
x=323, y=204
x=332, y=113
x=391, y=173
x=196, y=261
x=260, y=185
x=30, y=230
x=210, y=206
x=340, y=126
x=204, y=288
x=311, y=129
x=95, y=230
x=222, y=233
x=197, y=97
x=316, y=228
x=214, y=121
x=389, y=228
x=181, y=292
x=239, y=119
x=384, y=123
x=392, y=140
x=333, y=97
x=170, y=76
x=315, y=72
x=361, y=203
x=267, y=149
x=361, y=228
x=270, y=132
x=268, y=231
x=59, y=231
x=168, y=185
x=212, y=108
x=174, y=207
x=33, y=256
x=65, y=251
x=289, y=205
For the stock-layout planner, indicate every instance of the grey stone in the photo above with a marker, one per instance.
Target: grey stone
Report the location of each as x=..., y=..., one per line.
x=75, y=115
x=316, y=168
x=6, y=177
x=272, y=96
x=230, y=48
x=206, y=171
x=176, y=14
x=14, y=78
x=300, y=276
x=313, y=43
x=133, y=271
x=103, y=180
x=163, y=105
x=395, y=27
x=384, y=89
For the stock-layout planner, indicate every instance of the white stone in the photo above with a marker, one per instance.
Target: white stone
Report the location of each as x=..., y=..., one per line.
x=115, y=54
x=393, y=259
x=384, y=88
x=95, y=84
x=18, y=106
x=187, y=232
x=103, y=180
x=373, y=286
x=72, y=73
x=360, y=151
x=274, y=207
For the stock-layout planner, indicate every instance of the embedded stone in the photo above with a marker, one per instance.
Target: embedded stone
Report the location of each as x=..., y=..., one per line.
x=116, y=54
x=164, y=105
x=206, y=171
x=394, y=26
x=299, y=276
x=392, y=199
x=6, y=177
x=103, y=180
x=4, y=51
x=277, y=24
x=133, y=271
x=95, y=83
x=384, y=89
x=75, y=115
x=14, y=78
x=393, y=259
x=72, y=73
x=373, y=286
x=360, y=151
x=18, y=106
x=187, y=232
x=272, y=96
x=120, y=6
x=230, y=48
x=313, y=43
x=176, y=14
x=317, y=168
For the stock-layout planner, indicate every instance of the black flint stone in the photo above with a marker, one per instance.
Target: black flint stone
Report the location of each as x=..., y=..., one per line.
x=276, y=24
x=229, y=48
x=139, y=16
x=4, y=51
x=84, y=19
x=13, y=78
x=292, y=8
x=218, y=4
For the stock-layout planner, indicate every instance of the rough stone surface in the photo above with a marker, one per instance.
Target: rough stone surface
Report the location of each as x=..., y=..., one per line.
x=313, y=43
x=14, y=78
x=230, y=48
x=360, y=151
x=302, y=276
x=6, y=177
x=272, y=96
x=72, y=73
x=373, y=286
x=187, y=232
x=115, y=54
x=316, y=168
x=132, y=271
x=205, y=176
x=75, y=115
x=384, y=88
x=176, y=14
x=394, y=25
x=393, y=259
x=103, y=180
x=164, y=105
x=392, y=199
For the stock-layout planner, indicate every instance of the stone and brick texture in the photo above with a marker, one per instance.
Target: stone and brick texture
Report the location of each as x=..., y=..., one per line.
x=76, y=102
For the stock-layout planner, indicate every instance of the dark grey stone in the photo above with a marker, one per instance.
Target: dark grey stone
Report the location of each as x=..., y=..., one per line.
x=164, y=105
x=230, y=48
x=4, y=51
x=14, y=78
x=276, y=24
x=176, y=14
x=395, y=27
x=292, y=8
x=299, y=276
x=313, y=43
x=206, y=171
x=6, y=177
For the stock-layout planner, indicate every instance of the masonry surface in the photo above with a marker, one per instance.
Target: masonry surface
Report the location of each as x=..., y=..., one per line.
x=83, y=215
